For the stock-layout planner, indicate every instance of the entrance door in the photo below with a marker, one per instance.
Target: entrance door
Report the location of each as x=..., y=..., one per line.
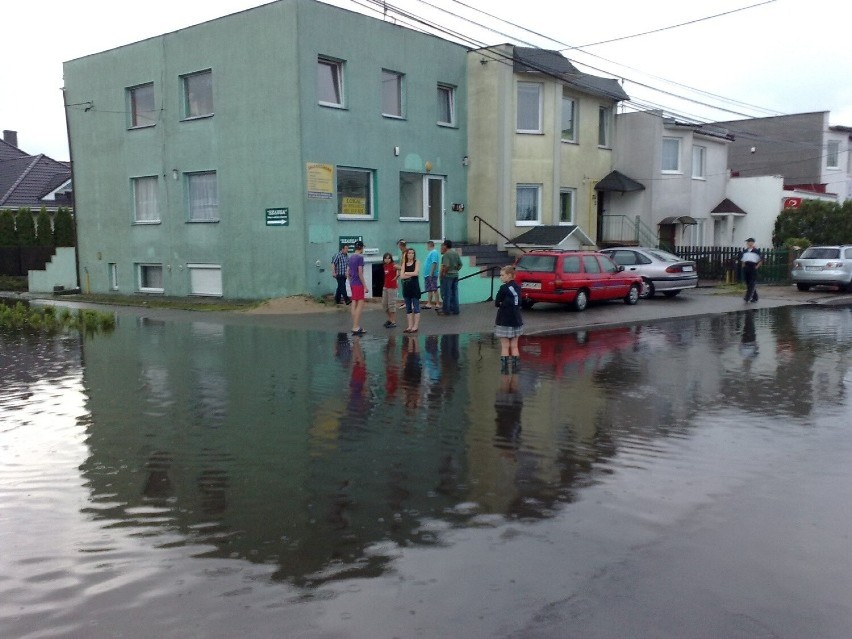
x=668, y=233
x=433, y=204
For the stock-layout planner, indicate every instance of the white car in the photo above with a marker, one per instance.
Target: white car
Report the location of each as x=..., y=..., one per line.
x=661, y=272
x=823, y=265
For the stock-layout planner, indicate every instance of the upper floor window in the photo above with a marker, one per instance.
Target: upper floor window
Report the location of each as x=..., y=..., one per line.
x=146, y=208
x=671, y=155
x=566, y=205
x=604, y=126
x=329, y=82
x=699, y=161
x=391, y=93
x=832, y=156
x=527, y=204
x=198, y=94
x=446, y=105
x=142, y=111
x=529, y=107
x=203, y=196
x=354, y=193
x=569, y=119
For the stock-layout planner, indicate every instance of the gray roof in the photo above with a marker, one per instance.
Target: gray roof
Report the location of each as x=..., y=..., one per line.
x=728, y=206
x=552, y=236
x=9, y=151
x=617, y=181
x=26, y=180
x=553, y=63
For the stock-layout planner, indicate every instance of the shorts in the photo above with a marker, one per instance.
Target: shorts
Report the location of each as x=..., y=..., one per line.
x=357, y=291
x=431, y=283
x=508, y=331
x=389, y=299
x=412, y=305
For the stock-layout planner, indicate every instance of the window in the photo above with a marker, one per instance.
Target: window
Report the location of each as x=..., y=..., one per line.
x=150, y=278
x=529, y=107
x=411, y=196
x=146, y=209
x=354, y=193
x=604, y=123
x=590, y=264
x=571, y=264
x=446, y=105
x=113, y=276
x=391, y=94
x=699, y=158
x=203, y=197
x=569, y=118
x=671, y=155
x=205, y=279
x=566, y=205
x=527, y=204
x=329, y=82
x=832, y=156
x=198, y=94
x=142, y=112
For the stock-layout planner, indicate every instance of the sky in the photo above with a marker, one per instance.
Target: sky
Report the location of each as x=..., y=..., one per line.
x=764, y=57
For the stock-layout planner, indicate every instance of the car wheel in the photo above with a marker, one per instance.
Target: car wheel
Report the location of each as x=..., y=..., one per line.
x=633, y=296
x=647, y=291
x=803, y=287
x=581, y=301
x=671, y=293
x=527, y=304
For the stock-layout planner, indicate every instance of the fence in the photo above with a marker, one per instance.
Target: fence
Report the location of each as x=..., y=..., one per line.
x=722, y=263
x=19, y=260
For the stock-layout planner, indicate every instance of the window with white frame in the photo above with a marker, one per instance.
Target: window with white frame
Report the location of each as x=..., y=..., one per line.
x=567, y=197
x=202, y=196
x=604, y=126
x=329, y=81
x=146, y=208
x=832, y=155
x=354, y=193
x=411, y=196
x=392, y=103
x=671, y=155
x=529, y=107
x=205, y=279
x=113, y=276
x=150, y=278
x=446, y=105
x=142, y=110
x=569, y=118
x=527, y=204
x=699, y=161
x=198, y=94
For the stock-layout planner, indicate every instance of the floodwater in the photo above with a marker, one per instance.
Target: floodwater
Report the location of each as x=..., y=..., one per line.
x=686, y=479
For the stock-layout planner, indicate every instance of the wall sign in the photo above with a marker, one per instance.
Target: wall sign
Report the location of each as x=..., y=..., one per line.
x=320, y=181
x=278, y=217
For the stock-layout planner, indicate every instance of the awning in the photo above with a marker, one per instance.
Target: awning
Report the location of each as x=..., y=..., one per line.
x=618, y=182
x=727, y=206
x=683, y=219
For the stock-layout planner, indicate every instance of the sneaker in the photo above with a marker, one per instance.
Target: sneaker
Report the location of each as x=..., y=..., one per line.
x=348, y=302
x=358, y=331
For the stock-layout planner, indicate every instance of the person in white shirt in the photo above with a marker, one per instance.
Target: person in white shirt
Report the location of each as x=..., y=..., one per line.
x=750, y=259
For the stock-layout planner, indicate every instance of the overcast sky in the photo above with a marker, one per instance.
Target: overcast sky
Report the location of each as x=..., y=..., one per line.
x=783, y=56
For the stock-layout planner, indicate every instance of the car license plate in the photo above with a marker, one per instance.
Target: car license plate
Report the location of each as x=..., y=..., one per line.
x=687, y=269
x=530, y=284
x=813, y=268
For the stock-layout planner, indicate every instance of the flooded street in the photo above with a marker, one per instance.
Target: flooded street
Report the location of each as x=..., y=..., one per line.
x=686, y=479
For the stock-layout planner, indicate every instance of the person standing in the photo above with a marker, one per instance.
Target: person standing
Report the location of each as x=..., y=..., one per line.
x=339, y=266
x=751, y=259
x=359, y=290
x=509, y=325
x=450, y=266
x=389, y=289
x=411, y=290
x=431, y=267
x=401, y=245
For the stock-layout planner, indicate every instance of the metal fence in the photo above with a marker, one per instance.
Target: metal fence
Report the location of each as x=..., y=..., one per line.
x=722, y=263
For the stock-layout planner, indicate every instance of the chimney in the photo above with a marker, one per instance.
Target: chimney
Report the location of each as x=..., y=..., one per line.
x=11, y=137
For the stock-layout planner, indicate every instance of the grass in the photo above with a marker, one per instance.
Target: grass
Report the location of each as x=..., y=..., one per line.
x=49, y=319
x=13, y=283
x=178, y=303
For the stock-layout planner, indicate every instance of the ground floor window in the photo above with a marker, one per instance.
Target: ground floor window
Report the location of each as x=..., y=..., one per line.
x=150, y=278
x=113, y=276
x=354, y=193
x=205, y=279
x=566, y=205
x=528, y=204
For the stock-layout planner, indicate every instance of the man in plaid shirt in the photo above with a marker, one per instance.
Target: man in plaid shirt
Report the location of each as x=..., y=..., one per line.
x=339, y=266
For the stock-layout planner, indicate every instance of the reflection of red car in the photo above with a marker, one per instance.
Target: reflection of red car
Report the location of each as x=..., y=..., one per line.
x=574, y=277
x=577, y=353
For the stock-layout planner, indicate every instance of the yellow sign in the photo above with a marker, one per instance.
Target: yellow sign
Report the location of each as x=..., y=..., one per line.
x=353, y=206
x=320, y=181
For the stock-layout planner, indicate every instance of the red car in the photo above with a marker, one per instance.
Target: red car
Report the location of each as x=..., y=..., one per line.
x=574, y=277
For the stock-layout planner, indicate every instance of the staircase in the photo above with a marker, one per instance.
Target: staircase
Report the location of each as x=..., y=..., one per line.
x=483, y=255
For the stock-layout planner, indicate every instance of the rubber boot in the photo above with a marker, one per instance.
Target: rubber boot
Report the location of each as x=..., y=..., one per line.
x=516, y=364
x=504, y=364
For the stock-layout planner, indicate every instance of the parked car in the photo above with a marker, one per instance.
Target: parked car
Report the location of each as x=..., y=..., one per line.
x=661, y=272
x=823, y=265
x=573, y=277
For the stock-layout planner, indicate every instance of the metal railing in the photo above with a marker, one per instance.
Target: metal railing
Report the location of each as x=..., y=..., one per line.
x=480, y=272
x=722, y=262
x=476, y=218
x=621, y=228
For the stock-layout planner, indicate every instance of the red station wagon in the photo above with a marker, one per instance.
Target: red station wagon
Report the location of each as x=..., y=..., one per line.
x=574, y=277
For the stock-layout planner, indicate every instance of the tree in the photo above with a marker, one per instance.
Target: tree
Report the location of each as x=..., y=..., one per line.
x=8, y=236
x=43, y=230
x=818, y=221
x=26, y=228
x=63, y=228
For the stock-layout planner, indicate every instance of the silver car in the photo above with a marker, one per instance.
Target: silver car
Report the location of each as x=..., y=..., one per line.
x=824, y=265
x=661, y=272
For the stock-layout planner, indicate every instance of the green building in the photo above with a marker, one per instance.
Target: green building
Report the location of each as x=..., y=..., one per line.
x=231, y=158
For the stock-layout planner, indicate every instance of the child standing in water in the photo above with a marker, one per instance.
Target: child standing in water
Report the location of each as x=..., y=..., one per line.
x=509, y=325
x=389, y=289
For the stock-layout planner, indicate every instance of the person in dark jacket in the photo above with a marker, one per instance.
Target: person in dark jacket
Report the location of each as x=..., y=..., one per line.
x=509, y=325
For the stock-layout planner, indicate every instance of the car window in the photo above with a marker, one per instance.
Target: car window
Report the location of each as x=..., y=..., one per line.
x=848, y=254
x=571, y=264
x=663, y=256
x=607, y=265
x=643, y=259
x=821, y=253
x=625, y=258
x=590, y=264
x=537, y=263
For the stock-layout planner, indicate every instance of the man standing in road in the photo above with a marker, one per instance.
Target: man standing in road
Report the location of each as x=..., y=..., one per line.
x=751, y=259
x=339, y=266
x=450, y=266
x=358, y=286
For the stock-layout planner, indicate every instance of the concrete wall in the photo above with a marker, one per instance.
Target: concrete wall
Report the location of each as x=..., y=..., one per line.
x=61, y=270
x=760, y=197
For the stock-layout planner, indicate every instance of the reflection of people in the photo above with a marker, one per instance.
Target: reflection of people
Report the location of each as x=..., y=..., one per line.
x=430, y=276
x=509, y=325
x=389, y=289
x=356, y=283
x=450, y=266
x=412, y=371
x=339, y=266
x=751, y=259
x=748, y=345
x=410, y=276
x=508, y=403
x=357, y=379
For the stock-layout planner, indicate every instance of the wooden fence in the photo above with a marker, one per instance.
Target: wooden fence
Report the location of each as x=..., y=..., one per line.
x=722, y=263
x=19, y=260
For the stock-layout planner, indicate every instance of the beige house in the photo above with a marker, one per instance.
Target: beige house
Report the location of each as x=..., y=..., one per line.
x=540, y=138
